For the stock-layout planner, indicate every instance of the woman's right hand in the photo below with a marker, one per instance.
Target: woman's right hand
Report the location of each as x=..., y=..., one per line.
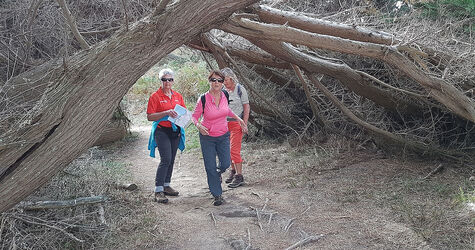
x=172, y=113
x=203, y=130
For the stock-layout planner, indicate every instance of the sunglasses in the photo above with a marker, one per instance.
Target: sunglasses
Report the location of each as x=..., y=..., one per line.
x=167, y=79
x=216, y=80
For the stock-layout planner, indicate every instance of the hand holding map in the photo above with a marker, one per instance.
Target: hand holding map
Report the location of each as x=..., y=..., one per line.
x=183, y=118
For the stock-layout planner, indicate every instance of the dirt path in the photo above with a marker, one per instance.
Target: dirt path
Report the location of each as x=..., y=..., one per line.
x=269, y=212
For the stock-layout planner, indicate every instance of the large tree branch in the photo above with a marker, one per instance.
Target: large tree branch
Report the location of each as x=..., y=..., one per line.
x=443, y=92
x=341, y=72
x=78, y=103
x=324, y=27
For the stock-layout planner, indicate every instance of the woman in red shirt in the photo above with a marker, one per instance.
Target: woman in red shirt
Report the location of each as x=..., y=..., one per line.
x=214, y=133
x=161, y=105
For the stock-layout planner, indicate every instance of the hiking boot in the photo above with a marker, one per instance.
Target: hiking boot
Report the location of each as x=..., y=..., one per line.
x=231, y=176
x=218, y=200
x=160, y=197
x=238, y=181
x=170, y=191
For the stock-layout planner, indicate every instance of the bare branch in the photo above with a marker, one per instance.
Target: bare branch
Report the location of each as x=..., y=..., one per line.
x=72, y=24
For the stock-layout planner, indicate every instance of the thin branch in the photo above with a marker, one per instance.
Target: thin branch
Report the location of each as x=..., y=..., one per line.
x=364, y=74
x=70, y=235
x=210, y=66
x=95, y=32
x=125, y=16
x=435, y=171
x=62, y=204
x=212, y=217
x=305, y=241
x=390, y=137
x=161, y=7
x=311, y=101
x=72, y=24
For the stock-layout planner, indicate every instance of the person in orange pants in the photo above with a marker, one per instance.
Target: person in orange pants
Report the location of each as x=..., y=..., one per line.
x=239, y=104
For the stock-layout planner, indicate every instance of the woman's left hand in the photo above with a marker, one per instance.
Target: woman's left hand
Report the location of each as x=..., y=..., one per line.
x=243, y=126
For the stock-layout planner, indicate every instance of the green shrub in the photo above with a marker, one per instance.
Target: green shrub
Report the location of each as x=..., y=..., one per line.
x=464, y=196
x=448, y=8
x=192, y=80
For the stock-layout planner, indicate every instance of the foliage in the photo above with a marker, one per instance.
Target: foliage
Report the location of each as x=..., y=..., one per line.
x=464, y=196
x=423, y=205
x=192, y=138
x=192, y=80
x=190, y=77
x=448, y=8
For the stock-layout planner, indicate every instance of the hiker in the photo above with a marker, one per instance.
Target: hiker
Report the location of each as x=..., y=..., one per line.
x=239, y=104
x=214, y=134
x=166, y=136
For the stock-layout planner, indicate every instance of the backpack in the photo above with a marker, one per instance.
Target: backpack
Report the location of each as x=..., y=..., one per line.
x=239, y=91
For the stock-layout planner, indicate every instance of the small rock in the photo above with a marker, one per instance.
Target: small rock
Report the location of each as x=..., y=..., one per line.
x=472, y=178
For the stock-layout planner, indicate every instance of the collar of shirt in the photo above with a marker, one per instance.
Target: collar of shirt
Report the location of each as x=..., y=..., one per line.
x=162, y=94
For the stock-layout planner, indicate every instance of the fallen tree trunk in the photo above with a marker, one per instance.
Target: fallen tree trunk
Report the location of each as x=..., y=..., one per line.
x=440, y=90
x=38, y=205
x=324, y=27
x=83, y=92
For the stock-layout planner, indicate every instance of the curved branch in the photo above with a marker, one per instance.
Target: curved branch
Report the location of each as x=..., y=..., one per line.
x=443, y=92
x=72, y=24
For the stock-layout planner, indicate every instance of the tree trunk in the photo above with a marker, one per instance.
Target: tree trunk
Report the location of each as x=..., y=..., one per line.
x=83, y=92
x=440, y=90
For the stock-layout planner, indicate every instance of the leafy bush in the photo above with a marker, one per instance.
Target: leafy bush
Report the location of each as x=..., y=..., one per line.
x=448, y=8
x=192, y=80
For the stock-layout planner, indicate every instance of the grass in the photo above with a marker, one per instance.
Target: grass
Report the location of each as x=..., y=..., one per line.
x=426, y=206
x=129, y=221
x=448, y=8
x=192, y=138
x=463, y=196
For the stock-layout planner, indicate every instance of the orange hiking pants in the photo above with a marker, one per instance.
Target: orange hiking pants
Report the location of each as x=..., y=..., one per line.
x=235, y=141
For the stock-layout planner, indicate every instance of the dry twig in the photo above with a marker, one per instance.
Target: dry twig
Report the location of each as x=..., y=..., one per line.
x=305, y=241
x=70, y=235
x=62, y=204
x=435, y=171
x=212, y=217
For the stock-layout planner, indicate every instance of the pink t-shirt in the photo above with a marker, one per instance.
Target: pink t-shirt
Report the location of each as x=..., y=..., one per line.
x=214, y=118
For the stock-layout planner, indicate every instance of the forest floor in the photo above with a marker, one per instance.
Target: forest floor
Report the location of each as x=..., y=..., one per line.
x=340, y=197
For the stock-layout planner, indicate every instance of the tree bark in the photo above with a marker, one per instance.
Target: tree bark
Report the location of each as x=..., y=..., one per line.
x=79, y=100
x=440, y=90
x=323, y=27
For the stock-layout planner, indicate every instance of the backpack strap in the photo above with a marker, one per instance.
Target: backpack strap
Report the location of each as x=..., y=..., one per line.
x=239, y=91
x=203, y=101
x=226, y=94
x=203, y=98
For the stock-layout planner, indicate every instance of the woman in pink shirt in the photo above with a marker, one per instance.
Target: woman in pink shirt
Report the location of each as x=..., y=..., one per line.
x=214, y=133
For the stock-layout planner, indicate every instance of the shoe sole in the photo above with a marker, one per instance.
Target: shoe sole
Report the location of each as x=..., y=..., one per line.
x=235, y=186
x=161, y=201
x=219, y=203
